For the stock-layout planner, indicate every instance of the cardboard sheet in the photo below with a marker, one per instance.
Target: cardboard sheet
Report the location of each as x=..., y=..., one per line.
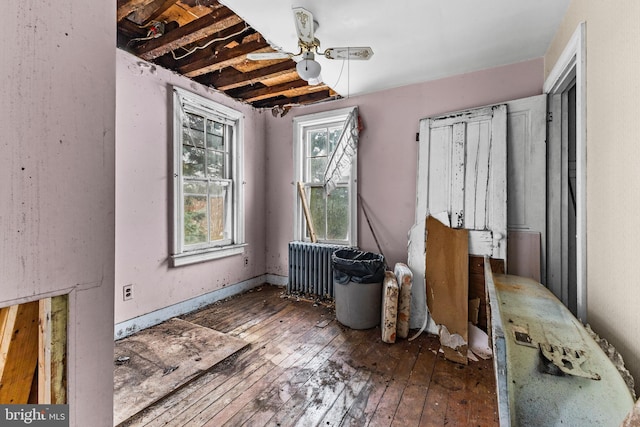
x=447, y=286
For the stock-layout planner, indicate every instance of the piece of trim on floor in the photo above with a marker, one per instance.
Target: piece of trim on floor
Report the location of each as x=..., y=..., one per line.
x=131, y=326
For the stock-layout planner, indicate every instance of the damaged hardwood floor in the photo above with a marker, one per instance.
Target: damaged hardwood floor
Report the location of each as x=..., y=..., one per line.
x=303, y=368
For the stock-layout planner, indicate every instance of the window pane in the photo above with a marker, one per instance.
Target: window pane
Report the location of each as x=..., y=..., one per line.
x=218, y=208
x=193, y=130
x=192, y=161
x=215, y=135
x=215, y=128
x=317, y=168
x=192, y=187
x=215, y=164
x=192, y=137
x=318, y=211
x=338, y=214
x=194, y=121
x=195, y=219
x=334, y=134
x=318, y=143
x=215, y=141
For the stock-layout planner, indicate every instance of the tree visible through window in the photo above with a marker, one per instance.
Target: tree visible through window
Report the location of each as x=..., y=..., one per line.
x=207, y=187
x=207, y=169
x=332, y=214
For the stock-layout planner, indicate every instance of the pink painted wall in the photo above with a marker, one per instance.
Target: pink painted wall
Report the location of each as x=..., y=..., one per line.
x=387, y=153
x=57, y=121
x=143, y=159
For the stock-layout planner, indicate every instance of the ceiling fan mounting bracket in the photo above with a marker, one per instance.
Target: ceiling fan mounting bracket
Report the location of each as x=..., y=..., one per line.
x=309, y=46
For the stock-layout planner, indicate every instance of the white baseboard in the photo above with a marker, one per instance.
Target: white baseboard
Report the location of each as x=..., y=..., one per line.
x=131, y=326
x=274, y=279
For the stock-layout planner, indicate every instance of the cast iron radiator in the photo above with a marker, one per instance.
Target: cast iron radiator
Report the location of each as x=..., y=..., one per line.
x=310, y=268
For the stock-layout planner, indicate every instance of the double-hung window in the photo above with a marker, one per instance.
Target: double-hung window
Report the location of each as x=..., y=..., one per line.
x=207, y=173
x=321, y=144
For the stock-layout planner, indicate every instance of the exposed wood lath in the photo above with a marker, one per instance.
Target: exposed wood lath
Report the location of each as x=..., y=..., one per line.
x=207, y=42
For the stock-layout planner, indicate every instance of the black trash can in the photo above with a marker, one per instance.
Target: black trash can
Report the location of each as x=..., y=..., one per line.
x=357, y=287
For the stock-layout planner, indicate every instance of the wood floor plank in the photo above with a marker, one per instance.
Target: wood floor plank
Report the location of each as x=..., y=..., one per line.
x=415, y=394
x=268, y=391
x=208, y=406
x=242, y=397
x=435, y=407
x=365, y=404
x=206, y=385
x=279, y=394
x=337, y=414
x=329, y=378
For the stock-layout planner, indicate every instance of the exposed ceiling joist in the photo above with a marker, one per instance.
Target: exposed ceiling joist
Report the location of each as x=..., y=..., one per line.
x=257, y=93
x=224, y=58
x=230, y=78
x=196, y=30
x=126, y=7
x=151, y=11
x=302, y=99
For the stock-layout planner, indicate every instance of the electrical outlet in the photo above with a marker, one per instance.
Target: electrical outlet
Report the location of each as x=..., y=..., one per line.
x=246, y=260
x=127, y=292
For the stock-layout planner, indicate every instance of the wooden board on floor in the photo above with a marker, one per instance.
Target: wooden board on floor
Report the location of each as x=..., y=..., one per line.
x=162, y=359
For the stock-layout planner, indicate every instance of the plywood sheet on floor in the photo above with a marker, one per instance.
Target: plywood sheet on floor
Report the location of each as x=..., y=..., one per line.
x=153, y=363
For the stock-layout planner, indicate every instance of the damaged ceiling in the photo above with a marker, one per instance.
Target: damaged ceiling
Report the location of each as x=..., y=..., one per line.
x=209, y=43
x=413, y=41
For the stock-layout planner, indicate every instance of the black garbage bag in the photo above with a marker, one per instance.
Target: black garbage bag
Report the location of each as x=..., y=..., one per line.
x=353, y=265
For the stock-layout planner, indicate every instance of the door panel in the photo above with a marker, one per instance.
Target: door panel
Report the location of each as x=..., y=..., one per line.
x=526, y=172
x=462, y=171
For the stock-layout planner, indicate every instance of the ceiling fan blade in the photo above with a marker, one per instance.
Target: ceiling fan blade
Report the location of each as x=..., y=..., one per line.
x=304, y=24
x=268, y=55
x=357, y=53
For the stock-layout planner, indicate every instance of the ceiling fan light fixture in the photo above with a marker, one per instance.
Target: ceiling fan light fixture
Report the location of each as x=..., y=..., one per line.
x=308, y=68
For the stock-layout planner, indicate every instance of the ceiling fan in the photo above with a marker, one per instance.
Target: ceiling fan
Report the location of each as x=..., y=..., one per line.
x=308, y=68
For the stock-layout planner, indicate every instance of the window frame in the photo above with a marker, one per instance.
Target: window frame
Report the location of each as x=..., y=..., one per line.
x=182, y=254
x=301, y=124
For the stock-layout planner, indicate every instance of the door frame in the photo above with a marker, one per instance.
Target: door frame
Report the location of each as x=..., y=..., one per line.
x=570, y=67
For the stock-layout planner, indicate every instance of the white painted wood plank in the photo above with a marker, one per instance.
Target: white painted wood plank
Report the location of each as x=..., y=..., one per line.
x=423, y=162
x=481, y=243
x=416, y=262
x=483, y=198
x=458, y=172
x=439, y=170
x=472, y=161
x=498, y=182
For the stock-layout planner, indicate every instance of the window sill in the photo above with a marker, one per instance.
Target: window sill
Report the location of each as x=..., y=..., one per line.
x=193, y=257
